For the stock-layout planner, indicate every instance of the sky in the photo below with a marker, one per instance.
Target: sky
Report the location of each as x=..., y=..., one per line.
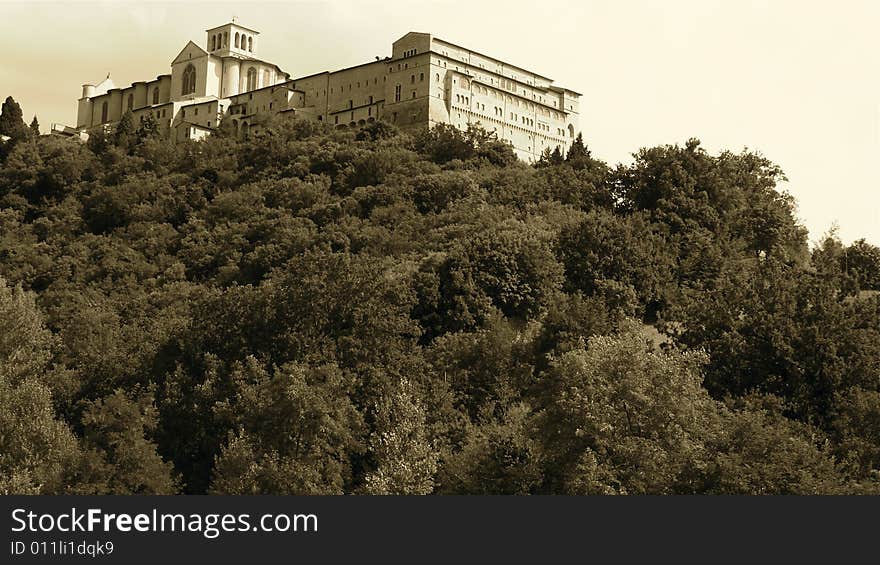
x=797, y=81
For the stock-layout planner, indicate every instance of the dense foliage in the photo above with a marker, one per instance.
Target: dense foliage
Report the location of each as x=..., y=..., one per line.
x=322, y=311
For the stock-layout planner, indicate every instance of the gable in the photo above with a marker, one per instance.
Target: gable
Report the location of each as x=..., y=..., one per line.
x=416, y=35
x=189, y=52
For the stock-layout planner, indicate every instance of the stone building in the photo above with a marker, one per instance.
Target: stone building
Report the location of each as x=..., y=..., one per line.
x=425, y=81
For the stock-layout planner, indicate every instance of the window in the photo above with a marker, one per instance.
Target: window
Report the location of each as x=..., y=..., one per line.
x=412, y=79
x=437, y=77
x=397, y=93
x=156, y=95
x=104, y=112
x=421, y=77
x=130, y=103
x=189, y=80
x=250, y=43
x=413, y=93
x=225, y=38
x=213, y=42
x=371, y=100
x=197, y=111
x=236, y=40
x=267, y=77
x=335, y=119
x=252, y=79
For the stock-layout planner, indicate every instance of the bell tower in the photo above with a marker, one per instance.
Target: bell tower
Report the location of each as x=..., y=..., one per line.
x=232, y=40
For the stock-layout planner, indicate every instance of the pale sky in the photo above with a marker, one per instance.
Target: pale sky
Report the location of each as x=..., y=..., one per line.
x=798, y=81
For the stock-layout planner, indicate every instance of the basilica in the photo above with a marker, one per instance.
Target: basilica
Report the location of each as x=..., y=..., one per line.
x=425, y=81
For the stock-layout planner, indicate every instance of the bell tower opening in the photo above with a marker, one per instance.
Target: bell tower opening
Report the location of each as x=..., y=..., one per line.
x=232, y=40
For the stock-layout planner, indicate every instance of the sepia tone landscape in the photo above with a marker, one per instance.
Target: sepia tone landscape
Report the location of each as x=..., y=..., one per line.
x=311, y=310
x=415, y=274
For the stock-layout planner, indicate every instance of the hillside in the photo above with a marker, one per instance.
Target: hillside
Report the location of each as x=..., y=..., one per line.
x=315, y=311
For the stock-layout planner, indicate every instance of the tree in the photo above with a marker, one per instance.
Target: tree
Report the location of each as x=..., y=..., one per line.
x=147, y=129
x=497, y=457
x=25, y=343
x=445, y=142
x=405, y=459
x=295, y=432
x=35, y=127
x=125, y=131
x=550, y=158
x=777, y=329
x=607, y=255
x=36, y=448
x=314, y=310
x=119, y=457
x=489, y=369
x=578, y=155
x=619, y=417
x=623, y=417
x=862, y=261
x=11, y=120
x=510, y=267
x=755, y=449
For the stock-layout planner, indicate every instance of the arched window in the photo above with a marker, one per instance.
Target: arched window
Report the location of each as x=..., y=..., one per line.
x=213, y=42
x=104, y=112
x=267, y=76
x=156, y=95
x=130, y=103
x=250, y=43
x=570, y=130
x=225, y=38
x=236, y=39
x=252, y=79
x=189, y=80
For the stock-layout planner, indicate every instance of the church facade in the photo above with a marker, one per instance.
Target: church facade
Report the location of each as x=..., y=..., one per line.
x=425, y=81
